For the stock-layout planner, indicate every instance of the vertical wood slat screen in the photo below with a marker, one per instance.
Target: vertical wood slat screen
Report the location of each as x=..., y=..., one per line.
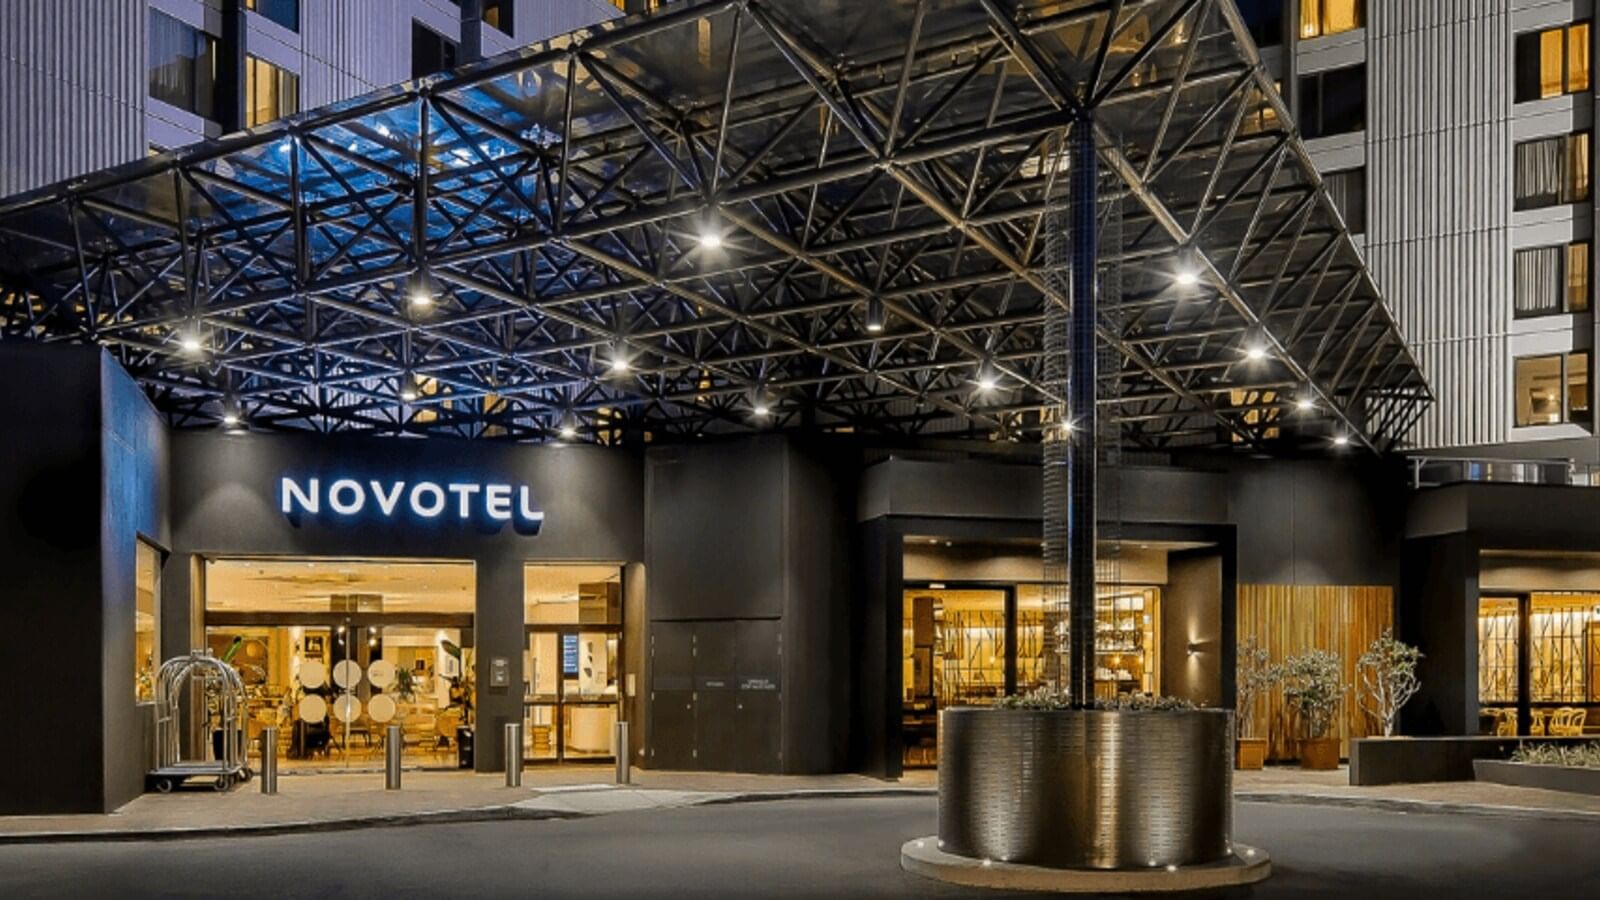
x=1287, y=619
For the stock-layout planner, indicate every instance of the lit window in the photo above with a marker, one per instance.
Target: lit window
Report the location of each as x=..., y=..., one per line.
x=1319, y=18
x=1552, y=280
x=183, y=66
x=1552, y=171
x=269, y=92
x=1551, y=390
x=283, y=12
x=636, y=6
x=1552, y=62
x=497, y=14
x=1333, y=102
x=146, y=615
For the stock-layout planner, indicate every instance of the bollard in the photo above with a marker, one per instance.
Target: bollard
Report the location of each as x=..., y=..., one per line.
x=269, y=760
x=393, y=746
x=513, y=752
x=624, y=767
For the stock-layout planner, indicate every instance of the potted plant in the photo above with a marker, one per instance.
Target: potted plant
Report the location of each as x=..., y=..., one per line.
x=1388, y=673
x=1313, y=690
x=1257, y=674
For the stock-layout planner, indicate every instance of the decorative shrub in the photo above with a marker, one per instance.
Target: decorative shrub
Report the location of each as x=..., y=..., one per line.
x=1388, y=673
x=1582, y=756
x=1045, y=698
x=1257, y=674
x=1312, y=687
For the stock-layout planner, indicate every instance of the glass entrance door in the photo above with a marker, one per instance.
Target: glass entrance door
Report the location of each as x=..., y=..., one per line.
x=573, y=662
x=571, y=707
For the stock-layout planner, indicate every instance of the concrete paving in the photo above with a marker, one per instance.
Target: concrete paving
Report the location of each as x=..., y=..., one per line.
x=837, y=847
x=340, y=801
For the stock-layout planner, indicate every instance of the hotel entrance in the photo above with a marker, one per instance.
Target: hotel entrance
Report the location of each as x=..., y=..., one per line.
x=332, y=652
x=572, y=664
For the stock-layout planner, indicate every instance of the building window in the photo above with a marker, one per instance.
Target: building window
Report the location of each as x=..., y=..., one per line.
x=1319, y=18
x=1333, y=102
x=183, y=66
x=283, y=12
x=430, y=51
x=1552, y=280
x=146, y=619
x=269, y=92
x=1552, y=171
x=1348, y=190
x=1552, y=62
x=1264, y=19
x=1552, y=390
x=636, y=6
x=498, y=14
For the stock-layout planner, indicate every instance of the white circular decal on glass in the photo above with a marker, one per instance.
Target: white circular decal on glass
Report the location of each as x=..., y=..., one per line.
x=312, y=674
x=381, y=708
x=347, y=673
x=346, y=708
x=313, y=708
x=381, y=673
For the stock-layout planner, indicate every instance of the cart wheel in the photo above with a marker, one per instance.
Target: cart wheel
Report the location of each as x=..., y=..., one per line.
x=222, y=783
x=246, y=774
x=163, y=785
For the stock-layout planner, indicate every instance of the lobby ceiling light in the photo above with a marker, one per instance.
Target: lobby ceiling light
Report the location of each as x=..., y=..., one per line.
x=761, y=407
x=1255, y=352
x=1188, y=273
x=408, y=389
x=231, y=414
x=420, y=290
x=1305, y=403
x=1187, y=277
x=987, y=379
x=189, y=342
x=875, y=315
x=569, y=426
x=1341, y=440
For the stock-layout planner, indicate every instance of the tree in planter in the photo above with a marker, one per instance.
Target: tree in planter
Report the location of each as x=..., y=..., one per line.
x=1388, y=678
x=1312, y=688
x=1257, y=674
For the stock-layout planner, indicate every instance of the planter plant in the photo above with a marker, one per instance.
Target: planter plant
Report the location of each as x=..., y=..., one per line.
x=1388, y=672
x=1257, y=674
x=1313, y=689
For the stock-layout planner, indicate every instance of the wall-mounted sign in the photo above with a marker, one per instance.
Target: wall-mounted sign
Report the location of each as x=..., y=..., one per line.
x=486, y=504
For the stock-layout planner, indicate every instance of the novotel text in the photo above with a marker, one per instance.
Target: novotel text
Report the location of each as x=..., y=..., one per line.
x=465, y=500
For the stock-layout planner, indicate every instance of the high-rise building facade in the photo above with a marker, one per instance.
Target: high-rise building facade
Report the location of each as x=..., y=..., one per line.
x=1457, y=136
x=86, y=84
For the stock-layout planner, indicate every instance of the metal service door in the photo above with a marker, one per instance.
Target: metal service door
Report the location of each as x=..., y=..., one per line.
x=758, y=718
x=672, y=695
x=715, y=680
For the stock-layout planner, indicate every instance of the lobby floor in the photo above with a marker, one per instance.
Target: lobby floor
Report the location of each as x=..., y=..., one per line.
x=330, y=801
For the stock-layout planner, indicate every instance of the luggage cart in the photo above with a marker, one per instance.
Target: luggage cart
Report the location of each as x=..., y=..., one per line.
x=215, y=682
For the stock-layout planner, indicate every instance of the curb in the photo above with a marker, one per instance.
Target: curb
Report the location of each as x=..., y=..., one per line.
x=511, y=812
x=303, y=826
x=1434, y=807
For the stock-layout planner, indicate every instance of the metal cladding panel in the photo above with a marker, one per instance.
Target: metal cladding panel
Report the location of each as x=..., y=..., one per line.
x=71, y=98
x=1439, y=226
x=1086, y=789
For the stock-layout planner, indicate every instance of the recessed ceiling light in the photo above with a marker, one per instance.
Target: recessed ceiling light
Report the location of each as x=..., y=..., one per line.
x=761, y=408
x=1341, y=440
x=1305, y=404
x=710, y=239
x=1187, y=278
x=1255, y=353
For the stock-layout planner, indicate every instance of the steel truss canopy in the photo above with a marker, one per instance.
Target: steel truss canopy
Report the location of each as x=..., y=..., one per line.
x=731, y=215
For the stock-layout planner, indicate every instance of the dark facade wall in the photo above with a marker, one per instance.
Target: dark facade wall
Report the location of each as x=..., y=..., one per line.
x=1439, y=615
x=225, y=501
x=747, y=540
x=1317, y=522
x=816, y=627
x=134, y=464
x=1191, y=614
x=50, y=552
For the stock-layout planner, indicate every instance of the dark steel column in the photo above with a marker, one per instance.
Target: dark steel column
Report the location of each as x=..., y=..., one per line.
x=1082, y=202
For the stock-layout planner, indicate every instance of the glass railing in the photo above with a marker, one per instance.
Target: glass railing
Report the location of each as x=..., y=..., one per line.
x=1434, y=471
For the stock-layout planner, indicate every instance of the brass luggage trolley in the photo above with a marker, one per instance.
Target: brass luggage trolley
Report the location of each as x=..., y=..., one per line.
x=223, y=695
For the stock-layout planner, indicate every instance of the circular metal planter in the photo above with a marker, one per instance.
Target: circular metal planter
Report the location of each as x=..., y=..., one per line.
x=1087, y=789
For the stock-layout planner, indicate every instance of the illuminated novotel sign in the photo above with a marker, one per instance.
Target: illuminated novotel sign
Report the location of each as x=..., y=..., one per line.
x=487, y=504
